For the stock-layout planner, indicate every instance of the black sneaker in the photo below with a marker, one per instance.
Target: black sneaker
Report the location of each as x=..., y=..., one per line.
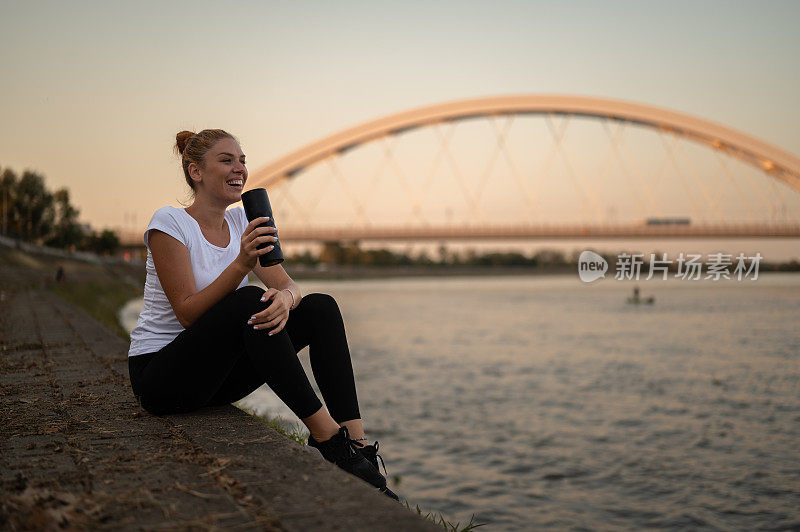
x=343, y=452
x=370, y=452
x=389, y=493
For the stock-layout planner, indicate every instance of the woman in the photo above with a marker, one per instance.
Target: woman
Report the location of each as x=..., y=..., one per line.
x=206, y=338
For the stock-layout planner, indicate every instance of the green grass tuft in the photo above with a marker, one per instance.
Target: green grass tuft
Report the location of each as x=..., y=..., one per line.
x=437, y=519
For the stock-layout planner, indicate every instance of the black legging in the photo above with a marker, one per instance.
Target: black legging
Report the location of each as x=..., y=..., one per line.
x=220, y=359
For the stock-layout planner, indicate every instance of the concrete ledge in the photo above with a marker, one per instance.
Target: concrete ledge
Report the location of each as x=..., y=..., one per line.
x=76, y=450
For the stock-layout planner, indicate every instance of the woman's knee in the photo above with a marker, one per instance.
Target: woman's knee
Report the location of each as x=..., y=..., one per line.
x=244, y=302
x=321, y=303
x=248, y=293
x=234, y=309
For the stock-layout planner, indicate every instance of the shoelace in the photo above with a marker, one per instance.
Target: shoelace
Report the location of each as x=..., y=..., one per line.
x=352, y=448
x=385, y=473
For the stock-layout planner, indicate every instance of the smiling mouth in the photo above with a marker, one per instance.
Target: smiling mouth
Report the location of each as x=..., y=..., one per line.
x=236, y=183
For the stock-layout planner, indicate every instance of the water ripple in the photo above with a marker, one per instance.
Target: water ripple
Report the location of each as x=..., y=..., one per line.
x=572, y=410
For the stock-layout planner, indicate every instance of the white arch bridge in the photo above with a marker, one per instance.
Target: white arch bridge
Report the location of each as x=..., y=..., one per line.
x=766, y=204
x=534, y=167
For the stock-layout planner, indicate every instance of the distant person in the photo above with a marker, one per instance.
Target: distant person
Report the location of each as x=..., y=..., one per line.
x=60, y=273
x=204, y=337
x=637, y=298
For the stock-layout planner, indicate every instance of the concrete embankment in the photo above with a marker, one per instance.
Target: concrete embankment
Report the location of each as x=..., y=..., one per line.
x=77, y=451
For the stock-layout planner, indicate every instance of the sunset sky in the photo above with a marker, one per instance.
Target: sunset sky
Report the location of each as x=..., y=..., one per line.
x=93, y=93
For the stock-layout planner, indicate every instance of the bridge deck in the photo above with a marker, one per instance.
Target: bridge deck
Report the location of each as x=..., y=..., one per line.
x=524, y=232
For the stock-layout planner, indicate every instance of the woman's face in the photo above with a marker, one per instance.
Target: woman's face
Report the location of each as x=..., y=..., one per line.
x=224, y=172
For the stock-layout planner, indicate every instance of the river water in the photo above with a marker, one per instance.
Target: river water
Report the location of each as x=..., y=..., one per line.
x=546, y=403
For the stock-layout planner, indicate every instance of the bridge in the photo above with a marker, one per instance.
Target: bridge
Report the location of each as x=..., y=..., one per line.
x=506, y=168
x=543, y=232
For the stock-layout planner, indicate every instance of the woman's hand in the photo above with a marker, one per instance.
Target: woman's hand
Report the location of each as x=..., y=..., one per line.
x=253, y=237
x=276, y=314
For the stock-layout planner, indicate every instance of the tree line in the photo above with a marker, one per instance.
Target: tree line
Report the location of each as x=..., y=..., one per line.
x=351, y=254
x=31, y=212
x=550, y=260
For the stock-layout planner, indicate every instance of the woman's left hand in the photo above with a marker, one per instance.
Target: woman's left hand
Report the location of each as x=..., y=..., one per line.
x=276, y=314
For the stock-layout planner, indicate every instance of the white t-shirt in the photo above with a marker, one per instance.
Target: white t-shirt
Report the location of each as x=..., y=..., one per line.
x=157, y=325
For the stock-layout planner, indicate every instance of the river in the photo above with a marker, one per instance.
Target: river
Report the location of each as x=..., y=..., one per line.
x=546, y=403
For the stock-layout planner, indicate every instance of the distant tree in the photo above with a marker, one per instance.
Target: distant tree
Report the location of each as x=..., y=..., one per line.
x=31, y=212
x=549, y=258
x=335, y=252
x=352, y=254
x=103, y=243
x=423, y=259
x=502, y=259
x=380, y=257
x=67, y=232
x=33, y=208
x=306, y=258
x=332, y=253
x=8, y=195
x=442, y=254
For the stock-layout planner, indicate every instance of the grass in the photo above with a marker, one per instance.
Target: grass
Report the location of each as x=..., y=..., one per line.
x=101, y=299
x=437, y=519
x=296, y=433
x=99, y=289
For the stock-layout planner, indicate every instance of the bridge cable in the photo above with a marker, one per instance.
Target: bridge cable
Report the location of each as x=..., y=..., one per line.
x=724, y=165
x=571, y=171
x=700, y=182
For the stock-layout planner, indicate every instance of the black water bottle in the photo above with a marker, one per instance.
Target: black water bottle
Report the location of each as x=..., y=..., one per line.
x=256, y=204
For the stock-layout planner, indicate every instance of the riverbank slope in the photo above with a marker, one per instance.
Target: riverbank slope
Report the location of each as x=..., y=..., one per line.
x=77, y=451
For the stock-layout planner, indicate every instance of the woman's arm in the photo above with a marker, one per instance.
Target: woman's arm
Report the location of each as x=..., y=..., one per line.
x=276, y=277
x=174, y=269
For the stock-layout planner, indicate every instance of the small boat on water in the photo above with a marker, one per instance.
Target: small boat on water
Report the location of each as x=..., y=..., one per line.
x=637, y=299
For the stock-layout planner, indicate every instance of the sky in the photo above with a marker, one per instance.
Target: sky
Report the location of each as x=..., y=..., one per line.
x=93, y=93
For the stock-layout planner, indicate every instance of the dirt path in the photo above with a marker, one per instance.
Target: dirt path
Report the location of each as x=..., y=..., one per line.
x=77, y=451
